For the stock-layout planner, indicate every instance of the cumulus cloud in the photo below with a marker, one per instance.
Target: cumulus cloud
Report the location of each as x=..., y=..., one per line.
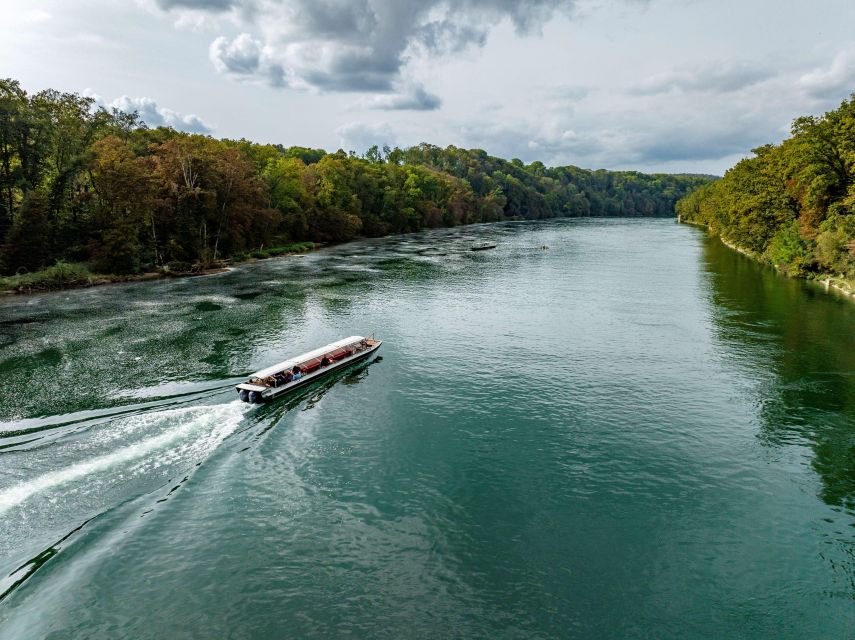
x=613, y=147
x=723, y=77
x=156, y=116
x=357, y=45
x=241, y=56
x=448, y=36
x=413, y=98
x=552, y=143
x=615, y=130
x=833, y=82
x=359, y=137
x=696, y=112
x=244, y=57
x=706, y=117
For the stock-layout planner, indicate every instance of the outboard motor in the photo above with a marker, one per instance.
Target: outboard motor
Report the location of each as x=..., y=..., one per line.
x=244, y=395
x=254, y=397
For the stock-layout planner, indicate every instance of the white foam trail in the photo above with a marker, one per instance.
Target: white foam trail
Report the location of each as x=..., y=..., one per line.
x=223, y=419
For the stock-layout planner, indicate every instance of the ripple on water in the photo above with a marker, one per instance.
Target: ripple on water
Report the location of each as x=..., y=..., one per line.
x=100, y=466
x=632, y=433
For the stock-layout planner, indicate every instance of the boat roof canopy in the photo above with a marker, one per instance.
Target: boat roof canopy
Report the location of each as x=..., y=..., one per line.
x=309, y=355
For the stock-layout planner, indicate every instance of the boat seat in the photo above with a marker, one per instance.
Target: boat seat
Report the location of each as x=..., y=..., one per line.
x=311, y=365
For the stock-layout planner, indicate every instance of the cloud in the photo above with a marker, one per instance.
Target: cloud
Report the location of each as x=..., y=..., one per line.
x=446, y=36
x=156, y=116
x=833, y=82
x=37, y=16
x=571, y=93
x=359, y=137
x=615, y=131
x=414, y=98
x=246, y=58
x=692, y=143
x=357, y=45
x=723, y=77
x=529, y=141
x=241, y=56
x=595, y=112
x=198, y=5
x=609, y=147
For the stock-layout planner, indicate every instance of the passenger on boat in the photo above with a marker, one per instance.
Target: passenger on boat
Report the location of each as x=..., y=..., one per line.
x=325, y=361
x=278, y=379
x=298, y=373
x=287, y=376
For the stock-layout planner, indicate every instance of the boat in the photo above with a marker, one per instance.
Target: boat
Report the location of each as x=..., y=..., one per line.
x=483, y=247
x=301, y=370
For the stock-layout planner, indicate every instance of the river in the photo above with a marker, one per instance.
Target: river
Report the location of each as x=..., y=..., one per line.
x=633, y=433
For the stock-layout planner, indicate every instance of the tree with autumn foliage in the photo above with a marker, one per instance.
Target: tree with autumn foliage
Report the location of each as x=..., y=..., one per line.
x=792, y=204
x=82, y=184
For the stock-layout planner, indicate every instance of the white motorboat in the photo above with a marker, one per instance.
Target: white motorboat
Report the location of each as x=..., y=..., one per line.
x=299, y=371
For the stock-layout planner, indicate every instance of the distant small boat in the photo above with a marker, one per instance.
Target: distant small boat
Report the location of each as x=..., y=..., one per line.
x=299, y=371
x=483, y=247
x=431, y=251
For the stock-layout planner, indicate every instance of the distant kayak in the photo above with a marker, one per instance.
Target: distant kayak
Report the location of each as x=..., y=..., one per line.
x=483, y=247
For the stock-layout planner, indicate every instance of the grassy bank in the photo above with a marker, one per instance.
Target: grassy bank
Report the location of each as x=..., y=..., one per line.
x=840, y=283
x=272, y=252
x=71, y=275
x=62, y=275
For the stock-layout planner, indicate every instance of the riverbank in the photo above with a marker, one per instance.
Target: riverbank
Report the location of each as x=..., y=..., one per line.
x=77, y=275
x=829, y=281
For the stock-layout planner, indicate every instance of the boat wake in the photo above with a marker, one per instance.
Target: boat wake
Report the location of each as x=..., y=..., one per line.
x=65, y=471
x=211, y=425
x=45, y=489
x=41, y=431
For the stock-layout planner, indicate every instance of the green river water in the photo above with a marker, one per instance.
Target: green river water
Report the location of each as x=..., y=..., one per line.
x=635, y=433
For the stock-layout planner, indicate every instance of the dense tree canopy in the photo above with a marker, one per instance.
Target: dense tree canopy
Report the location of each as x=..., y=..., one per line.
x=792, y=205
x=81, y=184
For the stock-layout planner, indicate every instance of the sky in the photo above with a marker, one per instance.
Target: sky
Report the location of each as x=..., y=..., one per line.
x=649, y=85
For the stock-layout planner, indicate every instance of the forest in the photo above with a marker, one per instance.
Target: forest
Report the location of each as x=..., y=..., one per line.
x=791, y=205
x=85, y=188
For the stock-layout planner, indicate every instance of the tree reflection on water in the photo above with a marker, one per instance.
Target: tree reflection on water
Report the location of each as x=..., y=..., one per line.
x=800, y=345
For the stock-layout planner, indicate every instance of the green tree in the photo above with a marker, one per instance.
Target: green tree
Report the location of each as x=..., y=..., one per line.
x=29, y=239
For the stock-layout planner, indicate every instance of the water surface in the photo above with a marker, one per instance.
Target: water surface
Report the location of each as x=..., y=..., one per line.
x=635, y=433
